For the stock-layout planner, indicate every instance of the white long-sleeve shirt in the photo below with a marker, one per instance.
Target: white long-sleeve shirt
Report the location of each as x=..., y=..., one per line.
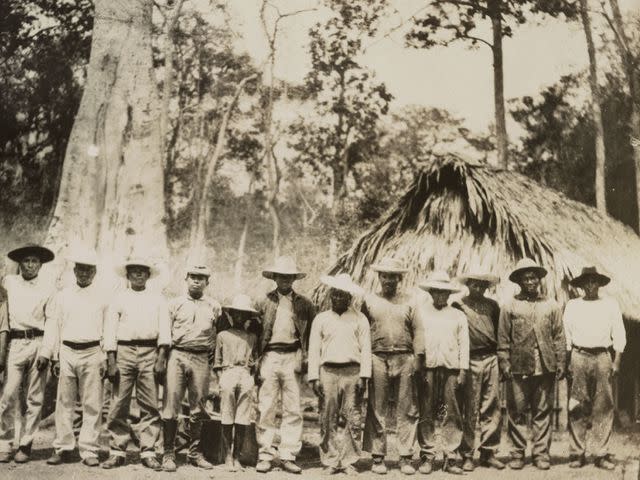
x=27, y=300
x=75, y=314
x=594, y=323
x=135, y=315
x=344, y=338
x=446, y=336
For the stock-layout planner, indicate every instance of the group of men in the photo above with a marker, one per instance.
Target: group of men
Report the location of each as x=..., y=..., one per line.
x=443, y=359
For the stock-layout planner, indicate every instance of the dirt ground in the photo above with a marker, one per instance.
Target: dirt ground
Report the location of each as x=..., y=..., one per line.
x=625, y=445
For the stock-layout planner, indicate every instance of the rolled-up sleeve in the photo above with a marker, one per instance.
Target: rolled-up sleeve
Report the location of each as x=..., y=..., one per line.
x=618, y=333
x=164, y=322
x=364, y=336
x=418, y=332
x=4, y=316
x=53, y=320
x=315, y=339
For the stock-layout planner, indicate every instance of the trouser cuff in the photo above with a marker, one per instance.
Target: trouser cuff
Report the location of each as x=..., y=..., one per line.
x=87, y=454
x=148, y=454
x=119, y=453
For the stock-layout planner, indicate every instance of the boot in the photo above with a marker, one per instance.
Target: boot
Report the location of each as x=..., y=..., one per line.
x=169, y=430
x=239, y=437
x=228, y=446
x=195, y=456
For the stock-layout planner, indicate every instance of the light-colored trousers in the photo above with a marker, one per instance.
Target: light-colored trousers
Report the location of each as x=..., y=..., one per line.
x=187, y=372
x=279, y=381
x=79, y=375
x=388, y=368
x=21, y=365
x=340, y=397
x=534, y=393
x=136, y=368
x=236, y=388
x=481, y=403
x=590, y=402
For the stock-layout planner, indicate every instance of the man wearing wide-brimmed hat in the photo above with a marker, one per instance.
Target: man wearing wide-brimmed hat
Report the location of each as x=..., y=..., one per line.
x=193, y=318
x=398, y=352
x=593, y=327
x=137, y=336
x=28, y=294
x=339, y=367
x=72, y=339
x=235, y=360
x=531, y=353
x=286, y=320
x=446, y=339
x=482, y=390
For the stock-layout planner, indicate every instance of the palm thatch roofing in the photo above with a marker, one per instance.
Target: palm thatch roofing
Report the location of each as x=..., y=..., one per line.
x=460, y=216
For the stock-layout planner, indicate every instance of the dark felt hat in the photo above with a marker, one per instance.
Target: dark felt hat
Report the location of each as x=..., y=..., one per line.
x=44, y=254
x=590, y=272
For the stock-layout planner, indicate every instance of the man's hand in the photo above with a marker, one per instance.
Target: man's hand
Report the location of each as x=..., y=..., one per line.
x=317, y=388
x=159, y=369
x=462, y=378
x=42, y=363
x=55, y=369
x=103, y=369
x=560, y=371
x=361, y=387
x=112, y=369
x=615, y=366
x=505, y=372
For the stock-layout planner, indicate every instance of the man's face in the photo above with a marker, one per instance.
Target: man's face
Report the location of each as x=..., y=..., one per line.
x=440, y=297
x=529, y=282
x=340, y=300
x=30, y=266
x=389, y=281
x=477, y=288
x=138, y=276
x=84, y=274
x=284, y=282
x=196, y=284
x=591, y=287
x=239, y=317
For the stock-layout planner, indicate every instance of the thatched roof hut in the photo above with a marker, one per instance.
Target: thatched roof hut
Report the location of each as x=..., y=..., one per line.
x=459, y=215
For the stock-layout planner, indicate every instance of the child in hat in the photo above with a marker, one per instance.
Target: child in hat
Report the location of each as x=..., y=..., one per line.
x=234, y=363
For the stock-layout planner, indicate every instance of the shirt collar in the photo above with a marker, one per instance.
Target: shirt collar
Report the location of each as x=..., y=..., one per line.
x=33, y=281
x=522, y=298
x=288, y=295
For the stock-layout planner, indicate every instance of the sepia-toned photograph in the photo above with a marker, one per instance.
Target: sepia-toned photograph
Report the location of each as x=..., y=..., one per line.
x=278, y=239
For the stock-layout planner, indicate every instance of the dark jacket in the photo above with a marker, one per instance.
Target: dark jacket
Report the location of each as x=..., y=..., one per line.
x=303, y=314
x=523, y=325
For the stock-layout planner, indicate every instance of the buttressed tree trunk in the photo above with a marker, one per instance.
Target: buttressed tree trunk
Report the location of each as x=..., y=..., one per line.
x=112, y=187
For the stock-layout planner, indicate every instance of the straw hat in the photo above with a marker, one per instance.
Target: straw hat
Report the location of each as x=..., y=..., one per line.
x=526, y=265
x=139, y=262
x=196, y=269
x=44, y=254
x=479, y=277
x=84, y=256
x=439, y=281
x=283, y=266
x=590, y=272
x=343, y=282
x=389, y=265
x=241, y=303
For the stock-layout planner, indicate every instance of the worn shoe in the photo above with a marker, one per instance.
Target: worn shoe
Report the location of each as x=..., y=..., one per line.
x=5, y=457
x=113, y=461
x=350, y=470
x=330, y=470
x=91, y=461
x=200, y=462
x=542, y=464
x=577, y=462
x=379, y=466
x=426, y=466
x=605, y=463
x=291, y=467
x=152, y=463
x=169, y=462
x=468, y=465
x=406, y=467
x=451, y=467
x=263, y=466
x=22, y=456
x=516, y=464
x=490, y=461
x=55, y=459
x=237, y=465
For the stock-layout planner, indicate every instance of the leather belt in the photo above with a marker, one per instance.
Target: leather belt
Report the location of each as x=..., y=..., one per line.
x=591, y=350
x=283, y=347
x=150, y=342
x=481, y=353
x=81, y=345
x=189, y=350
x=21, y=334
x=340, y=365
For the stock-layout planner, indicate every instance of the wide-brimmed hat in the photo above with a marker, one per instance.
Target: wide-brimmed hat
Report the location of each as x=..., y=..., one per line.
x=439, y=281
x=479, y=277
x=590, y=272
x=84, y=256
x=139, y=262
x=241, y=303
x=44, y=254
x=389, y=265
x=198, y=269
x=283, y=266
x=343, y=282
x=526, y=265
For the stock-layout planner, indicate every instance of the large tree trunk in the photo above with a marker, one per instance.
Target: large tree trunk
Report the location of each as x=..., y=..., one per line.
x=498, y=85
x=112, y=186
x=596, y=110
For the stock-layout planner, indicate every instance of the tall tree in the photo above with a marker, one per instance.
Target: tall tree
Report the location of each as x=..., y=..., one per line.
x=448, y=21
x=347, y=99
x=112, y=187
x=596, y=109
